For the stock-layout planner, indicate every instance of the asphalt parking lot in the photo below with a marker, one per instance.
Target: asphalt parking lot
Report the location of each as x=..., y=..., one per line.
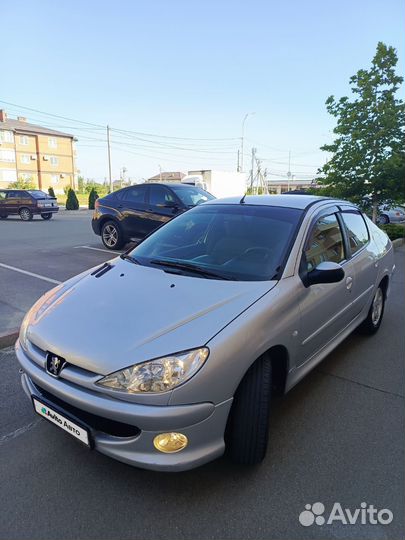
x=54, y=251
x=336, y=437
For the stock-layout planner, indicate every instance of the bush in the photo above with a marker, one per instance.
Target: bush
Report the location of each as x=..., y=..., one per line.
x=93, y=196
x=23, y=183
x=394, y=231
x=51, y=192
x=72, y=202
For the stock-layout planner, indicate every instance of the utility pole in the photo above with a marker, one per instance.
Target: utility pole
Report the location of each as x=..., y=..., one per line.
x=238, y=162
x=243, y=139
x=160, y=172
x=109, y=159
x=289, y=170
x=253, y=168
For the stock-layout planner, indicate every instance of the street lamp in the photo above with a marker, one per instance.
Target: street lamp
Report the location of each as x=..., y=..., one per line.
x=242, y=138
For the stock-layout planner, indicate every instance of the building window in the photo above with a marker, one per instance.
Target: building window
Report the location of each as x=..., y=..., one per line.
x=8, y=175
x=7, y=155
x=25, y=176
x=55, y=178
x=52, y=142
x=24, y=140
x=6, y=136
x=25, y=158
x=54, y=161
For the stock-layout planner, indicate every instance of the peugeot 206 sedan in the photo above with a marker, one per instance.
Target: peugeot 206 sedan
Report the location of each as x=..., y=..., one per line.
x=168, y=355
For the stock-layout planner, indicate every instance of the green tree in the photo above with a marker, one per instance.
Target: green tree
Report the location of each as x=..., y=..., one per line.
x=51, y=192
x=80, y=184
x=93, y=196
x=23, y=183
x=368, y=162
x=72, y=202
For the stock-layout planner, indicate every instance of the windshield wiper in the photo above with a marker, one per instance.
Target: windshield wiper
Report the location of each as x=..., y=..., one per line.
x=126, y=257
x=189, y=267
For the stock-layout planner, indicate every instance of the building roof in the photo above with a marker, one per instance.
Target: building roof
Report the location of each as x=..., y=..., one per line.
x=175, y=176
x=26, y=127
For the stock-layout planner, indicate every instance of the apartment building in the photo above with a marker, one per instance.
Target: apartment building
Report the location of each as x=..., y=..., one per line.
x=42, y=155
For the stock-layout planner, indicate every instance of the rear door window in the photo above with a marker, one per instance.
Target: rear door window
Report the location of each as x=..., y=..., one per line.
x=135, y=195
x=14, y=195
x=357, y=231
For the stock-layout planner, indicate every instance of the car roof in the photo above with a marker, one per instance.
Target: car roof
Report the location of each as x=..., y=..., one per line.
x=169, y=184
x=301, y=202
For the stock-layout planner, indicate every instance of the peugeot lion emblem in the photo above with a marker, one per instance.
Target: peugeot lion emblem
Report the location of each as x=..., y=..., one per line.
x=54, y=364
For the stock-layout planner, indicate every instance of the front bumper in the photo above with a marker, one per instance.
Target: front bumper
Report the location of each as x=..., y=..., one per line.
x=202, y=423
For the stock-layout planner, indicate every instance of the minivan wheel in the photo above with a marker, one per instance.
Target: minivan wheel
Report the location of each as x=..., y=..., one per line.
x=48, y=215
x=248, y=424
x=25, y=214
x=112, y=236
x=375, y=314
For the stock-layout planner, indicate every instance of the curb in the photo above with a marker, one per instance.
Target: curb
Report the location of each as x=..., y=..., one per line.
x=398, y=242
x=9, y=338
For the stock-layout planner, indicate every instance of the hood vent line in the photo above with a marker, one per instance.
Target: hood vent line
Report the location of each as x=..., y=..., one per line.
x=102, y=270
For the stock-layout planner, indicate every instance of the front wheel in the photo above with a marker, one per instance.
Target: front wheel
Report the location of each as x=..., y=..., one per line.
x=375, y=314
x=112, y=236
x=25, y=214
x=248, y=424
x=48, y=215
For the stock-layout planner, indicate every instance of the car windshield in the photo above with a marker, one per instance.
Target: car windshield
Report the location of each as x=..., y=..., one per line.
x=192, y=195
x=239, y=242
x=38, y=194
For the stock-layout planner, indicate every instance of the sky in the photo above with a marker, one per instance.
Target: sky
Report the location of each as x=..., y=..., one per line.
x=174, y=79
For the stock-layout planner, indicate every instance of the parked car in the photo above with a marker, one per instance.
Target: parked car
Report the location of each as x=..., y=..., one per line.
x=174, y=348
x=26, y=203
x=391, y=214
x=134, y=212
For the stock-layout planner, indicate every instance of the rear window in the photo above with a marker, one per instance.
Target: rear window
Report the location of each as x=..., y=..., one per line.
x=38, y=194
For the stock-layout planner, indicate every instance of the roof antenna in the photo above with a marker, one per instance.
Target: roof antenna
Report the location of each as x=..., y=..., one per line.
x=242, y=201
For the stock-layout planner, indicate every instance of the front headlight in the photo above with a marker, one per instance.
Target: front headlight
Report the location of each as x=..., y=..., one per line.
x=158, y=375
x=23, y=332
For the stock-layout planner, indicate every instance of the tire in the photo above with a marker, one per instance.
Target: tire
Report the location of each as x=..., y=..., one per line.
x=48, y=215
x=112, y=236
x=248, y=424
x=375, y=314
x=383, y=219
x=25, y=214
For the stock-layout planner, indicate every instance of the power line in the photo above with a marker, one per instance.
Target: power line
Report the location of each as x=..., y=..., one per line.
x=115, y=129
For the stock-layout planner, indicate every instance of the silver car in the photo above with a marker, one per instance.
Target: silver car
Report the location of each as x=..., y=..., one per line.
x=391, y=214
x=168, y=355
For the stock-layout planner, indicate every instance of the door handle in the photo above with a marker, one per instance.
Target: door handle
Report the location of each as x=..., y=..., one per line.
x=349, y=283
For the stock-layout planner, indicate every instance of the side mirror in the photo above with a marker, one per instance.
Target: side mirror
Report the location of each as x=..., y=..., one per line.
x=325, y=272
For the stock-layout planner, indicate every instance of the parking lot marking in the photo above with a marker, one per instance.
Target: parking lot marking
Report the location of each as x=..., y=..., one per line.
x=97, y=249
x=44, y=278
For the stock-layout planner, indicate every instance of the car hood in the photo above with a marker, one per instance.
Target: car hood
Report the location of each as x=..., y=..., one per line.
x=133, y=313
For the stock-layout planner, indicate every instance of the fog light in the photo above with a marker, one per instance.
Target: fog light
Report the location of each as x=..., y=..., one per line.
x=170, y=442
